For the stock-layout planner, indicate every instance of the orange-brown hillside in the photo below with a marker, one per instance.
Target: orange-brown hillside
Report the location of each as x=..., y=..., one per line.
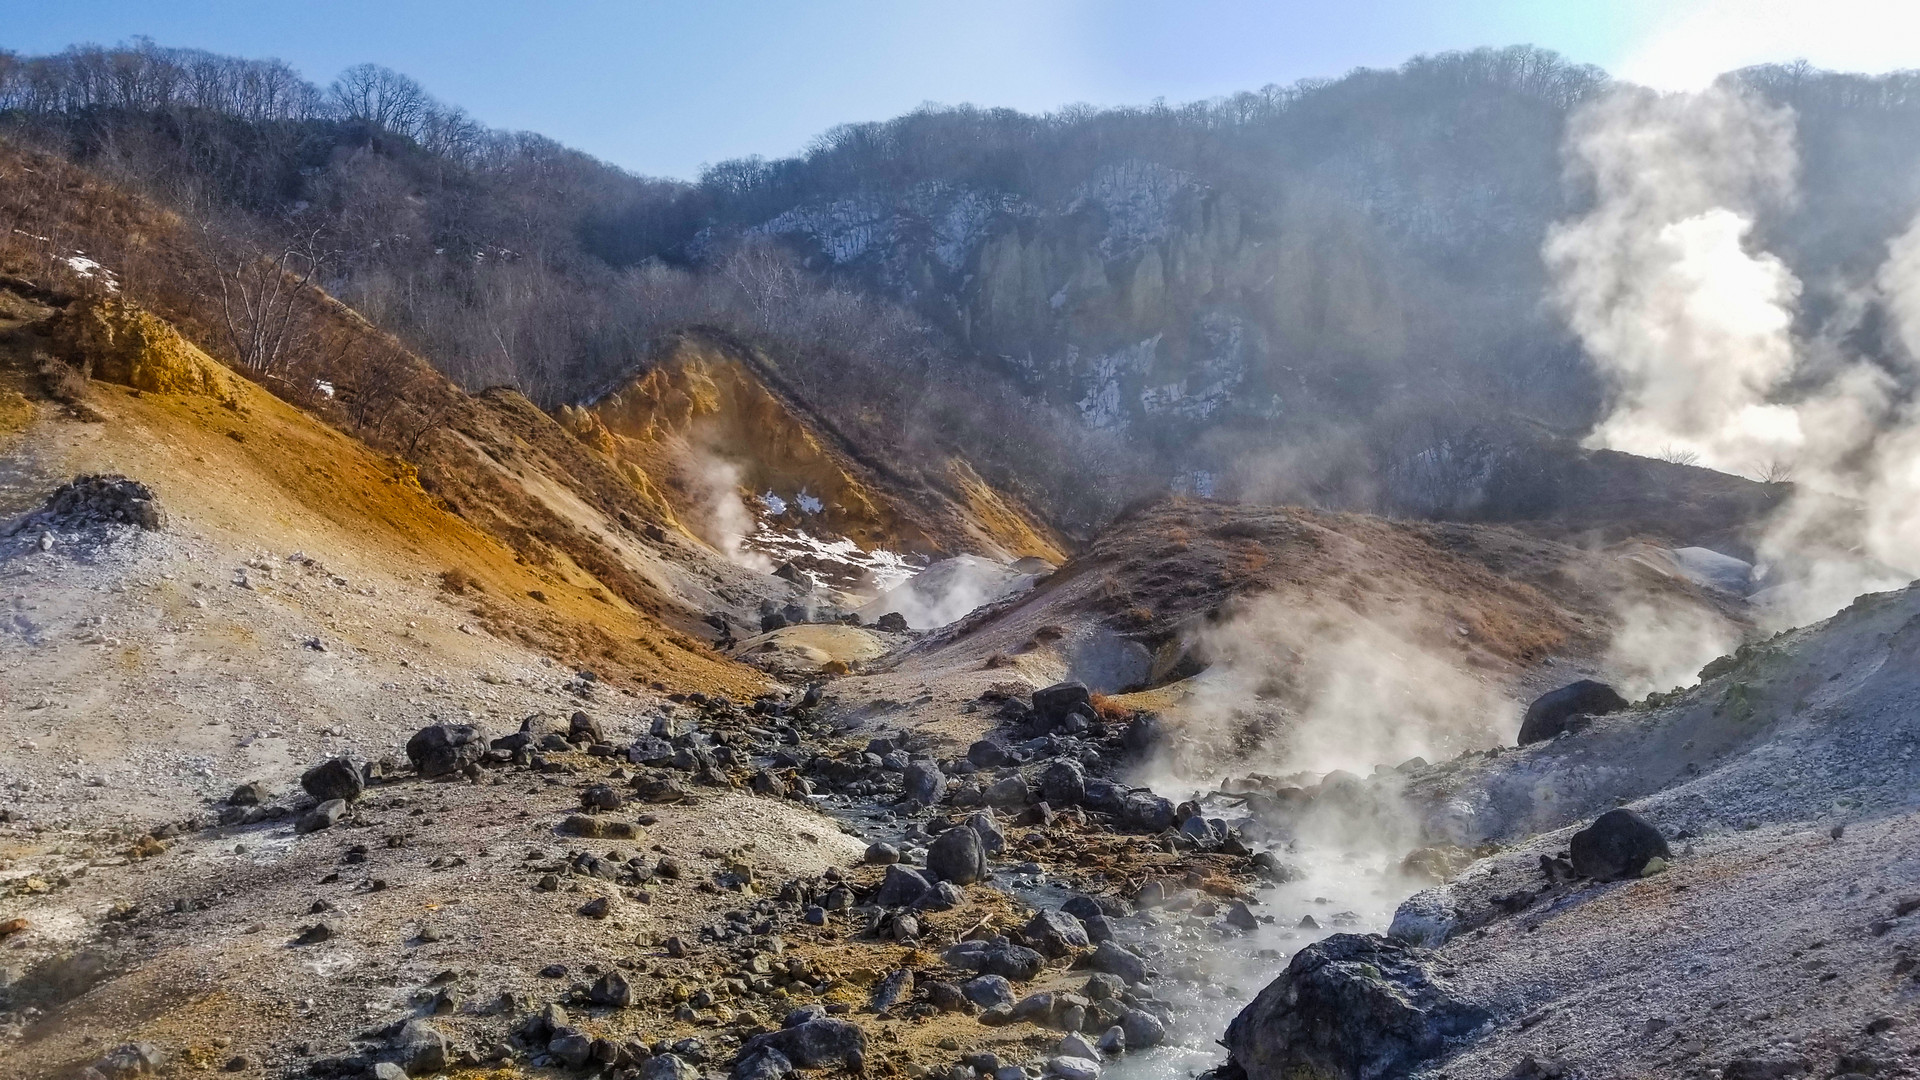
x=607, y=495
x=226, y=455
x=713, y=404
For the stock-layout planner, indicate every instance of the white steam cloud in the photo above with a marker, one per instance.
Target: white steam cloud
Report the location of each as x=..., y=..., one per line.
x=1294, y=688
x=1691, y=328
x=1694, y=329
x=722, y=515
x=948, y=591
x=1662, y=645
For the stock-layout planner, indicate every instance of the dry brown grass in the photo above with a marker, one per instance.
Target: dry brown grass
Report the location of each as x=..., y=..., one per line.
x=1496, y=584
x=59, y=380
x=16, y=411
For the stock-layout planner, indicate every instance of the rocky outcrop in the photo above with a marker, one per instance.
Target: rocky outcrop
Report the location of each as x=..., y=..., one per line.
x=440, y=749
x=1619, y=844
x=1351, y=1007
x=712, y=420
x=1554, y=712
x=127, y=344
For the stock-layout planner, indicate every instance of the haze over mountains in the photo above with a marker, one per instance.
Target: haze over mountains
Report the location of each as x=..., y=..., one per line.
x=1299, y=292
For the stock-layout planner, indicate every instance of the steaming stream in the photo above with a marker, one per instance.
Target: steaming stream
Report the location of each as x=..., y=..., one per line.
x=1207, y=972
x=1210, y=973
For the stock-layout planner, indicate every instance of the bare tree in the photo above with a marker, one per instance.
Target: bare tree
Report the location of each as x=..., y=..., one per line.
x=380, y=96
x=259, y=296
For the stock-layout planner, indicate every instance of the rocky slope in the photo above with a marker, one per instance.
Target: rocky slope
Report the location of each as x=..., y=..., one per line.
x=1762, y=932
x=714, y=410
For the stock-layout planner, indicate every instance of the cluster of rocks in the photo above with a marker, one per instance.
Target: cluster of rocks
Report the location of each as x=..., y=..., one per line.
x=91, y=502
x=1052, y=769
x=658, y=767
x=772, y=746
x=778, y=616
x=979, y=974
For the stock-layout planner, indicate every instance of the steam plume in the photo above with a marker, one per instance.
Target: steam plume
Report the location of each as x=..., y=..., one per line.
x=1659, y=646
x=725, y=521
x=1694, y=330
x=947, y=591
x=1299, y=688
x=1689, y=326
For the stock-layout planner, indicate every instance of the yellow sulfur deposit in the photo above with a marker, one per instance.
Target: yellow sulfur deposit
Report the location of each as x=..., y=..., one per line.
x=134, y=347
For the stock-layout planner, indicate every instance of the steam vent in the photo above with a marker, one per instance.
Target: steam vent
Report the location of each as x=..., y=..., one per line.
x=1407, y=574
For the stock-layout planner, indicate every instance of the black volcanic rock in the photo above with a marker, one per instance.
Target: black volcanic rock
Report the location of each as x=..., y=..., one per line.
x=1549, y=713
x=1350, y=1007
x=1618, y=844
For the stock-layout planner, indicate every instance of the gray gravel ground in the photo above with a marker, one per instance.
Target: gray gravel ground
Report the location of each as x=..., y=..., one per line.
x=1769, y=946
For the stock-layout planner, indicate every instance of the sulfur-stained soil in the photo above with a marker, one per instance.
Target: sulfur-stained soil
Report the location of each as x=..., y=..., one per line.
x=307, y=598
x=306, y=594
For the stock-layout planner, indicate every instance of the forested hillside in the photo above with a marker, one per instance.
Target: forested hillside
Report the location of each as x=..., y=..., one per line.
x=1328, y=292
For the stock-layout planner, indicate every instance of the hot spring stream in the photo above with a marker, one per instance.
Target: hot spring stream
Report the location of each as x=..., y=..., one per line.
x=1208, y=974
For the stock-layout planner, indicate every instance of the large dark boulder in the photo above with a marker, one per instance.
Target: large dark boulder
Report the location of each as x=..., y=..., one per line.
x=923, y=782
x=582, y=728
x=987, y=991
x=419, y=1048
x=988, y=754
x=338, y=778
x=957, y=855
x=1063, y=783
x=445, y=748
x=1105, y=795
x=1115, y=959
x=814, y=1043
x=1549, y=713
x=1052, y=705
x=1015, y=962
x=1351, y=1007
x=902, y=886
x=991, y=837
x=1148, y=812
x=1054, y=933
x=1617, y=845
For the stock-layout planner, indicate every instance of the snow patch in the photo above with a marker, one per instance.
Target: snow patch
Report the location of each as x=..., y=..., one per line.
x=837, y=563
x=87, y=268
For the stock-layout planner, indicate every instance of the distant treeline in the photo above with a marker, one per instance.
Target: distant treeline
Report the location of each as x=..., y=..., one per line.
x=506, y=258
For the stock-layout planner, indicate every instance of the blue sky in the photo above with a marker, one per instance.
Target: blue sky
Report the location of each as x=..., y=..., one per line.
x=661, y=88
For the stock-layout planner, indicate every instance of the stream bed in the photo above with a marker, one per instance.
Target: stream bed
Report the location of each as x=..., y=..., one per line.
x=1207, y=971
